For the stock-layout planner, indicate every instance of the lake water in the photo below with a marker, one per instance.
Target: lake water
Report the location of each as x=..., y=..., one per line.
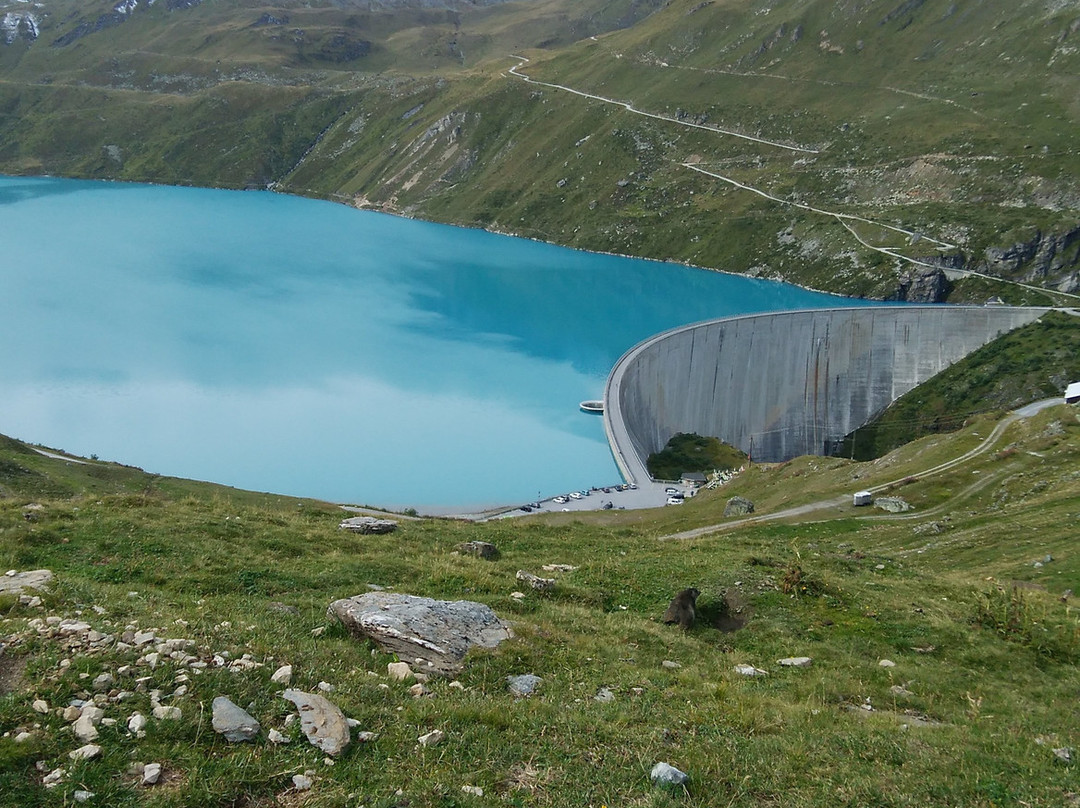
x=302, y=347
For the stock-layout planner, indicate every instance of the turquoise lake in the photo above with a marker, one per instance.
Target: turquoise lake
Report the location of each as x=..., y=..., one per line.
x=302, y=347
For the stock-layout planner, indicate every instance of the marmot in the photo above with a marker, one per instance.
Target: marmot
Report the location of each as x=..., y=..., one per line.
x=681, y=609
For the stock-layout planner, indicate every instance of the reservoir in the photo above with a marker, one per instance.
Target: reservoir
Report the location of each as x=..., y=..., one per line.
x=302, y=347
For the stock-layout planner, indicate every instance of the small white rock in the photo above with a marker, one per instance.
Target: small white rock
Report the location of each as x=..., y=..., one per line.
x=476, y=791
x=432, y=738
x=282, y=676
x=399, y=671
x=301, y=782
x=40, y=706
x=23, y=737
x=886, y=663
x=326, y=687
x=82, y=795
x=151, y=774
x=167, y=713
x=749, y=670
x=795, y=662
x=136, y=723
x=87, y=752
x=276, y=737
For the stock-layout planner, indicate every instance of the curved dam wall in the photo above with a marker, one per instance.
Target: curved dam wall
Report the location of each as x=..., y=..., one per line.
x=785, y=384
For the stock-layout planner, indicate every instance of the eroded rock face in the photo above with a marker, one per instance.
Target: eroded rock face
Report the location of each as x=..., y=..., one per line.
x=437, y=633
x=737, y=506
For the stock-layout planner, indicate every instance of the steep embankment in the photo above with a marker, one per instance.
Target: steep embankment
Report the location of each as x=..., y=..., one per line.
x=946, y=127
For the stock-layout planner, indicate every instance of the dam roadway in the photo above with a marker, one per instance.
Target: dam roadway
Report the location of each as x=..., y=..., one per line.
x=785, y=384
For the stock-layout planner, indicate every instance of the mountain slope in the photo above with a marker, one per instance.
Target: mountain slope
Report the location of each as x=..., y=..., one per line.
x=758, y=131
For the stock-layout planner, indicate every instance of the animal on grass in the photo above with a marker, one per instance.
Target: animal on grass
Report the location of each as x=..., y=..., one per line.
x=681, y=610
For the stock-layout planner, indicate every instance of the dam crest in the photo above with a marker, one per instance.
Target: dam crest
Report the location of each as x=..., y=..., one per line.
x=785, y=384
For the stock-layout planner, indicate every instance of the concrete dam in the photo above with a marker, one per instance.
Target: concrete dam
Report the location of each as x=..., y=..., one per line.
x=785, y=384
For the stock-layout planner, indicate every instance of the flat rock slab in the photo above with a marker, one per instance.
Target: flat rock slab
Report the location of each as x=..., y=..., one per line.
x=368, y=524
x=437, y=633
x=322, y=722
x=19, y=582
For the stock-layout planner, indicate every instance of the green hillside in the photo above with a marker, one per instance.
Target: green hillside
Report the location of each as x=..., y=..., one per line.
x=976, y=708
x=888, y=149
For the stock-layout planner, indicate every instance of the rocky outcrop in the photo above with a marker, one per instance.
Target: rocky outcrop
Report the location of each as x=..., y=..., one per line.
x=368, y=525
x=19, y=582
x=926, y=284
x=434, y=633
x=1046, y=259
x=738, y=506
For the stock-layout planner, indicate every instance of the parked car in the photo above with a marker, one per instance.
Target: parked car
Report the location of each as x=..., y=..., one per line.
x=575, y=495
x=559, y=499
x=674, y=500
x=669, y=491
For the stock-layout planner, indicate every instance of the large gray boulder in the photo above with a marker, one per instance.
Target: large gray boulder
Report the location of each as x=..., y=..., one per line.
x=368, y=525
x=434, y=633
x=738, y=506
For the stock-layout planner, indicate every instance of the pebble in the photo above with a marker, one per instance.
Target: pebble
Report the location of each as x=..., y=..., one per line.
x=476, y=791
x=749, y=670
x=87, y=752
x=276, y=737
x=399, y=671
x=282, y=676
x=53, y=778
x=136, y=723
x=234, y=723
x=301, y=782
x=432, y=738
x=167, y=713
x=670, y=665
x=795, y=662
x=40, y=706
x=523, y=685
x=82, y=795
x=151, y=774
x=604, y=696
x=886, y=663
x=664, y=774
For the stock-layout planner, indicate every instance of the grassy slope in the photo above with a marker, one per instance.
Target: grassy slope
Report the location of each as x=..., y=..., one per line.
x=848, y=591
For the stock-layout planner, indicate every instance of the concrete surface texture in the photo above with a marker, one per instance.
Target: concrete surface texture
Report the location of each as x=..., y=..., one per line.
x=785, y=384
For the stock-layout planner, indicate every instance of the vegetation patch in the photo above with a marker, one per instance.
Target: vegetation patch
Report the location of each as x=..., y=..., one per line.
x=688, y=452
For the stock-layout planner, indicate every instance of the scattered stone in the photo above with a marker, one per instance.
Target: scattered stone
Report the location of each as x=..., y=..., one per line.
x=900, y=690
x=84, y=728
x=151, y=774
x=664, y=774
x=480, y=549
x=438, y=633
x=399, y=671
x=235, y=724
x=558, y=568
x=368, y=525
x=54, y=778
x=476, y=791
x=367, y=737
x=322, y=722
x=71, y=713
x=276, y=737
x=87, y=752
x=418, y=690
x=604, y=696
x=301, y=782
x=749, y=670
x=517, y=595
x=670, y=665
x=282, y=676
x=795, y=662
x=892, y=504
x=23, y=737
x=82, y=795
x=167, y=713
x=40, y=706
x=886, y=663
x=136, y=723
x=432, y=738
x=738, y=506
x=523, y=685
x=535, y=581
x=326, y=687
x=103, y=682
x=1064, y=754
x=17, y=583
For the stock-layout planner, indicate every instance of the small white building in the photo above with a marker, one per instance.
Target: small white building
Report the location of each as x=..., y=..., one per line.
x=862, y=498
x=1072, y=393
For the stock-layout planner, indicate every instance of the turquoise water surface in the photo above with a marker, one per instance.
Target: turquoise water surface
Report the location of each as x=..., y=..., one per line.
x=302, y=347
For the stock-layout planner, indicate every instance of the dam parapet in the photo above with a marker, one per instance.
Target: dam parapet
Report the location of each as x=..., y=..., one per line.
x=785, y=384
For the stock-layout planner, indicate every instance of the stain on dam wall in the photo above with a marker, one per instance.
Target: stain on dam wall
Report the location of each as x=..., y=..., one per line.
x=785, y=384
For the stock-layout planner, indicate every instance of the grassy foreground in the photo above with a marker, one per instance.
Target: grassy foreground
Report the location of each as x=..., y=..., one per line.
x=982, y=692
